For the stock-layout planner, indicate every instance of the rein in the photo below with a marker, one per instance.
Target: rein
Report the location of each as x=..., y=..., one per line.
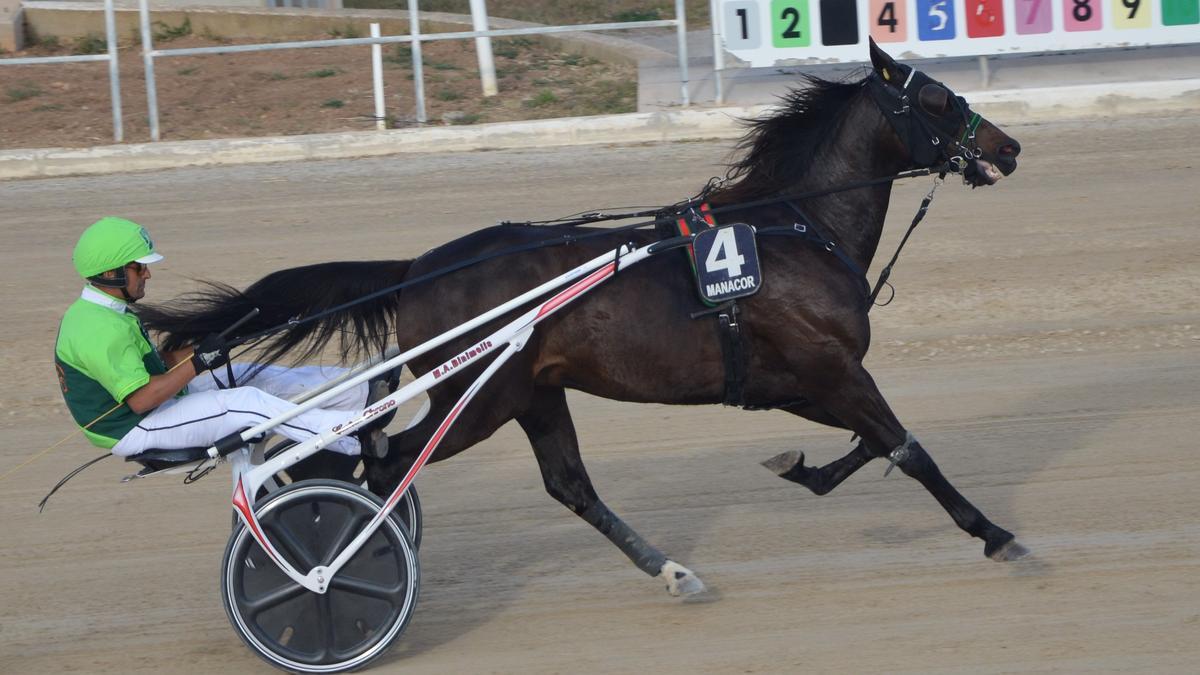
x=673, y=212
x=908, y=126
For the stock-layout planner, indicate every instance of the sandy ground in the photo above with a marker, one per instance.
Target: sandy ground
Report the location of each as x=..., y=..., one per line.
x=1045, y=346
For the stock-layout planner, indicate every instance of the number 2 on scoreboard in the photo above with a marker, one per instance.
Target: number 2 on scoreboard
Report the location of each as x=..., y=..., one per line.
x=889, y=20
x=789, y=23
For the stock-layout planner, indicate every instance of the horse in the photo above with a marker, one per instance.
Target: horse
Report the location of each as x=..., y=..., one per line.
x=801, y=338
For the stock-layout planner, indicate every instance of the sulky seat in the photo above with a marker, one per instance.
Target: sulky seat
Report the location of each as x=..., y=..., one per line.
x=157, y=460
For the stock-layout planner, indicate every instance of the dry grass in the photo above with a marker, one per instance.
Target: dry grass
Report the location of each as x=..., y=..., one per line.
x=559, y=12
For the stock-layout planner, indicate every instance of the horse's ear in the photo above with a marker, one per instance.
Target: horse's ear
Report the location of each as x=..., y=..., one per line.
x=884, y=65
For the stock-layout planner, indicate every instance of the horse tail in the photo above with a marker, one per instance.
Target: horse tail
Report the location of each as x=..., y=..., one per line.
x=295, y=301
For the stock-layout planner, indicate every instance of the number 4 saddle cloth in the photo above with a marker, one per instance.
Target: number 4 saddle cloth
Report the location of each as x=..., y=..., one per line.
x=724, y=259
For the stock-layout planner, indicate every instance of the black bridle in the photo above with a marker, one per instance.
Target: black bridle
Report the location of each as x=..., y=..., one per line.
x=931, y=139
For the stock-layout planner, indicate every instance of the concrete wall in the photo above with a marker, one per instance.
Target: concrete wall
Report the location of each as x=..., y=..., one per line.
x=12, y=36
x=67, y=20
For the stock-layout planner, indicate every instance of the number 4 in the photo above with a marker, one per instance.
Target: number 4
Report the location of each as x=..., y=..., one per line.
x=887, y=17
x=724, y=254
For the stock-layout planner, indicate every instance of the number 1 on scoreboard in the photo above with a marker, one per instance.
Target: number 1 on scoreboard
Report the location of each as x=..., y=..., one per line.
x=740, y=25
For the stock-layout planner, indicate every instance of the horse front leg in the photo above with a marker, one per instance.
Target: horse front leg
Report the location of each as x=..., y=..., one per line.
x=856, y=400
x=820, y=480
x=552, y=434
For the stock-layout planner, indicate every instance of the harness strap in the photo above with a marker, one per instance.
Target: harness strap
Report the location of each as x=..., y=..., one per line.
x=733, y=350
x=808, y=231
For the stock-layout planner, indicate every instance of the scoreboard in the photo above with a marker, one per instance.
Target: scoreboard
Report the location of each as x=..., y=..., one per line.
x=781, y=32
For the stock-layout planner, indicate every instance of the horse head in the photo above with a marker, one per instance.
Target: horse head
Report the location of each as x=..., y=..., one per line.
x=936, y=126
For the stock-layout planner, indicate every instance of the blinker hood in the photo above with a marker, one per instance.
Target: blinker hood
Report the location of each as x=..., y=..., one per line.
x=930, y=139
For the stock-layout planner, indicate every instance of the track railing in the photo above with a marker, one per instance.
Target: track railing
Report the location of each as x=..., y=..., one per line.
x=414, y=38
x=114, y=77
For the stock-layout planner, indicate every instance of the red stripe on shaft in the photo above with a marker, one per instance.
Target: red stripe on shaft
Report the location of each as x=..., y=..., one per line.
x=424, y=456
x=579, y=286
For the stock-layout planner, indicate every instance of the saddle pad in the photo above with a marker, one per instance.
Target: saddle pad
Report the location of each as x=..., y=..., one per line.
x=727, y=263
x=724, y=260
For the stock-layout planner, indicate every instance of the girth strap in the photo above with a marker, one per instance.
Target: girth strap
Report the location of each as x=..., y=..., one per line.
x=733, y=350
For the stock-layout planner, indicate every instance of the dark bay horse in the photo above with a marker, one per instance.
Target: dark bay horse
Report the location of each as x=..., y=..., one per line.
x=803, y=335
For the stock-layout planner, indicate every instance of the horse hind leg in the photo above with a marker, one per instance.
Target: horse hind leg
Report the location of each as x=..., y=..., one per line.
x=858, y=402
x=551, y=432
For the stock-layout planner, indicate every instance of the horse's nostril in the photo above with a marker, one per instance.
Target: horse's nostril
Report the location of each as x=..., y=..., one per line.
x=1010, y=149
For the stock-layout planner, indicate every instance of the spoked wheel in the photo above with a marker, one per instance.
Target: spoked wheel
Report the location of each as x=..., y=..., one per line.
x=369, y=601
x=335, y=466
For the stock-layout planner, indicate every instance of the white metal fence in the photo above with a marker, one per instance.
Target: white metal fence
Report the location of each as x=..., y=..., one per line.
x=415, y=38
x=114, y=76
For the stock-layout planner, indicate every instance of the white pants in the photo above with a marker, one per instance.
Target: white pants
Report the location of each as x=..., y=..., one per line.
x=208, y=413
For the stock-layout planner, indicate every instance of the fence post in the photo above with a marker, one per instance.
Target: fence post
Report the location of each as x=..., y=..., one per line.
x=148, y=62
x=714, y=17
x=681, y=32
x=114, y=73
x=12, y=26
x=414, y=30
x=483, y=48
x=377, y=79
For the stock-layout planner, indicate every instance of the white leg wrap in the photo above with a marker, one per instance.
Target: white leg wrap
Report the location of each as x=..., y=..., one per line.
x=680, y=580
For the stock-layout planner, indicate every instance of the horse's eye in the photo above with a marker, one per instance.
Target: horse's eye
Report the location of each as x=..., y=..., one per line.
x=934, y=99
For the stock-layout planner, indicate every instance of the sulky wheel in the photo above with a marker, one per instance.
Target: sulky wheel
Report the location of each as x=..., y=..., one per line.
x=369, y=601
x=332, y=465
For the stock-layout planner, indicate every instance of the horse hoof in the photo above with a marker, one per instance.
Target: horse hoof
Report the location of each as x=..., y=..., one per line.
x=1009, y=551
x=680, y=580
x=784, y=462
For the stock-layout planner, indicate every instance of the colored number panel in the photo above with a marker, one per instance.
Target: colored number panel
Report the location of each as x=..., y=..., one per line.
x=935, y=20
x=985, y=18
x=1033, y=16
x=1081, y=15
x=839, y=22
x=741, y=25
x=789, y=23
x=1178, y=12
x=1131, y=13
x=889, y=20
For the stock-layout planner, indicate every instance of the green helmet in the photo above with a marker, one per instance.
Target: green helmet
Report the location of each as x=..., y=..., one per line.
x=112, y=243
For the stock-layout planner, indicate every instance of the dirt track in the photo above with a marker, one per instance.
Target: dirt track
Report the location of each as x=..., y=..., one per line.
x=1044, y=345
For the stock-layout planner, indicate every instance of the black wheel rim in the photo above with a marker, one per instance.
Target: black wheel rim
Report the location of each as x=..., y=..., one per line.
x=367, y=604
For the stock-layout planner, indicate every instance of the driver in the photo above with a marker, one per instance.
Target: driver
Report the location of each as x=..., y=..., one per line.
x=129, y=398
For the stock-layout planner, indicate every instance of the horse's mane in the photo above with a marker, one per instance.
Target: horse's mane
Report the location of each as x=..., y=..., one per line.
x=781, y=147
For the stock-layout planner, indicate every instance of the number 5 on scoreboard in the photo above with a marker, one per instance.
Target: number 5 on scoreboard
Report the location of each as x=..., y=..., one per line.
x=935, y=20
x=889, y=20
